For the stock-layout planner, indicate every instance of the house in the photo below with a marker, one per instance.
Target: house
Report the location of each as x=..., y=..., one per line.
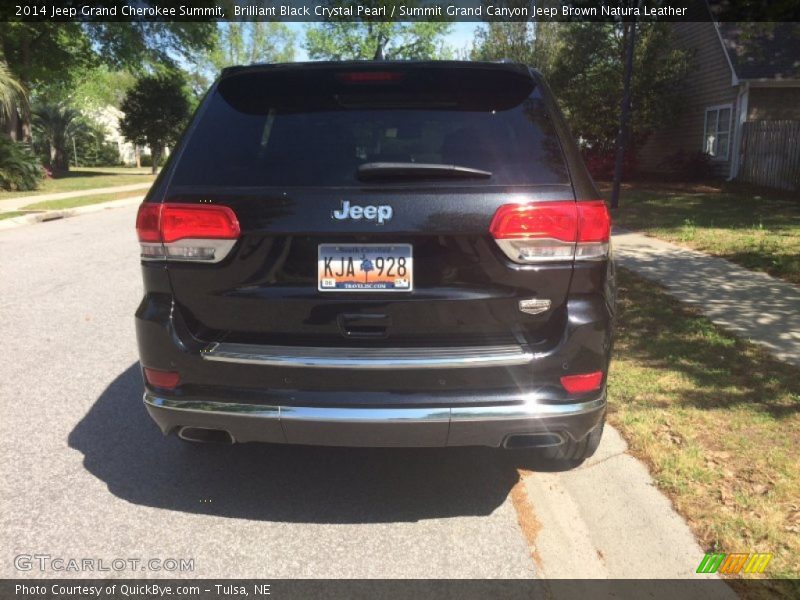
x=109, y=117
x=741, y=104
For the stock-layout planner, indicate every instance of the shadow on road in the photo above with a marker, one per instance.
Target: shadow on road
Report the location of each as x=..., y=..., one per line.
x=125, y=449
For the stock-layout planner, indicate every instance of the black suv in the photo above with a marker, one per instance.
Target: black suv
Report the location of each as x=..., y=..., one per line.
x=378, y=254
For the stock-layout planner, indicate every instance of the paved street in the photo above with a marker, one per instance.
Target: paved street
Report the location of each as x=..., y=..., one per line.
x=86, y=474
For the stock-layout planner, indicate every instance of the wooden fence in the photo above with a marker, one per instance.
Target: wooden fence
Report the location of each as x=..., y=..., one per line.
x=771, y=154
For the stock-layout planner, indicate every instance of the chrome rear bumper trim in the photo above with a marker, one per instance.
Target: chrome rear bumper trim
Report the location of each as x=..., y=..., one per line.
x=372, y=427
x=377, y=415
x=370, y=358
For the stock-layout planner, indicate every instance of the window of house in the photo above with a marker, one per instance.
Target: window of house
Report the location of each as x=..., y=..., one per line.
x=717, y=138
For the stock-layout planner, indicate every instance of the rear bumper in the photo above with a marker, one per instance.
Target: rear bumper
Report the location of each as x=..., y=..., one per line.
x=379, y=427
x=506, y=371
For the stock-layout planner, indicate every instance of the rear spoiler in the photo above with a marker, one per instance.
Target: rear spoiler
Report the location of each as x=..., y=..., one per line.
x=377, y=65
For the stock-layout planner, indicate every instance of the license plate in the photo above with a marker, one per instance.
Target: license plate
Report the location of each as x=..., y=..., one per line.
x=365, y=268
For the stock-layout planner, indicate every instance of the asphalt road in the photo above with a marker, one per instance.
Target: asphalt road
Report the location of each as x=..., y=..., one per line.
x=86, y=474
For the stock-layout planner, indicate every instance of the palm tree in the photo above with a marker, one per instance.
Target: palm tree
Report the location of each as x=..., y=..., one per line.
x=56, y=123
x=13, y=96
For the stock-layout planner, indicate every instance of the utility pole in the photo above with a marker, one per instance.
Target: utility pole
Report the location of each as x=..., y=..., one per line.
x=625, y=110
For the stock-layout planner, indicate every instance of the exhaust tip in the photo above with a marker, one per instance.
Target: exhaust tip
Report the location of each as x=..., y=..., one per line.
x=204, y=435
x=533, y=440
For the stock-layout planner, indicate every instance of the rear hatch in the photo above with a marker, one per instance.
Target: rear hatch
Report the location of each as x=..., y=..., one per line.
x=329, y=168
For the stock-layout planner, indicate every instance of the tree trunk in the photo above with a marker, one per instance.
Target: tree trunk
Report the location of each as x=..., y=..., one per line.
x=27, y=129
x=138, y=155
x=155, y=153
x=25, y=115
x=12, y=125
x=624, y=119
x=58, y=159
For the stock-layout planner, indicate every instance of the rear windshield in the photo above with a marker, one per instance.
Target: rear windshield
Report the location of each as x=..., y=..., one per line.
x=315, y=127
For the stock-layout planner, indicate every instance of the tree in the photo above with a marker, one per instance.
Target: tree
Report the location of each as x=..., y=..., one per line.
x=41, y=52
x=587, y=77
x=56, y=123
x=583, y=62
x=241, y=43
x=369, y=39
x=156, y=110
x=533, y=44
x=12, y=94
x=101, y=87
x=46, y=57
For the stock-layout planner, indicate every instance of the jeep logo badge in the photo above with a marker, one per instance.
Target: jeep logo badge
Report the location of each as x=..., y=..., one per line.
x=370, y=212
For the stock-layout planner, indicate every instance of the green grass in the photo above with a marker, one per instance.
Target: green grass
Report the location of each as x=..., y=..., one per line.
x=85, y=179
x=754, y=228
x=717, y=420
x=80, y=201
x=11, y=215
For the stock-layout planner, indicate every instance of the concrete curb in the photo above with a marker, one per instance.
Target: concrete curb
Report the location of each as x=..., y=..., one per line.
x=53, y=215
x=606, y=519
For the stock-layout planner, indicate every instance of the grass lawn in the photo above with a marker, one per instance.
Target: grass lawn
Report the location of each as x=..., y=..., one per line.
x=11, y=215
x=84, y=179
x=717, y=420
x=757, y=229
x=81, y=201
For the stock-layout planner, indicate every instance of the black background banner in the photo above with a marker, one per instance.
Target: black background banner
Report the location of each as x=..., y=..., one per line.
x=376, y=589
x=400, y=10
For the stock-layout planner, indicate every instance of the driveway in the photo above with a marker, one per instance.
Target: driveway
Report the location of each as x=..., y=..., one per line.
x=86, y=474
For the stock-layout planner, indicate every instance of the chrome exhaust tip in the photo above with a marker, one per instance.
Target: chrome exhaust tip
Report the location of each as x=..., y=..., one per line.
x=533, y=440
x=204, y=435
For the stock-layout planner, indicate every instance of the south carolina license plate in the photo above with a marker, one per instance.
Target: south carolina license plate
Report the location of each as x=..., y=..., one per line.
x=365, y=268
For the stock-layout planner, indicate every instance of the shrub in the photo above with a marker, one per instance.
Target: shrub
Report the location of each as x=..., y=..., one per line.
x=690, y=167
x=20, y=169
x=601, y=163
x=102, y=154
x=91, y=146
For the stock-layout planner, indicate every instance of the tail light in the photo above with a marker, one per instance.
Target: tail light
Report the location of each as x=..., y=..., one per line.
x=582, y=383
x=162, y=379
x=552, y=231
x=187, y=232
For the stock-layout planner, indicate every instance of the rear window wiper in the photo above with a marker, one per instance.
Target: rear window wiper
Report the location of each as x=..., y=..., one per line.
x=410, y=170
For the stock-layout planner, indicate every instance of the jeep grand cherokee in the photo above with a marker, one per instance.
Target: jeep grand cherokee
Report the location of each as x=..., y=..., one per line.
x=377, y=254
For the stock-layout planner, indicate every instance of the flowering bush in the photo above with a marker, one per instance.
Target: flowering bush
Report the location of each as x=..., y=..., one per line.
x=601, y=163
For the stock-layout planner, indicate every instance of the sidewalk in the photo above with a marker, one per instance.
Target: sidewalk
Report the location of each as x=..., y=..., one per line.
x=14, y=204
x=752, y=305
x=52, y=215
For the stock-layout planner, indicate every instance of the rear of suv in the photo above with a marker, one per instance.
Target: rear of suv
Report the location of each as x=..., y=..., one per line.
x=377, y=254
